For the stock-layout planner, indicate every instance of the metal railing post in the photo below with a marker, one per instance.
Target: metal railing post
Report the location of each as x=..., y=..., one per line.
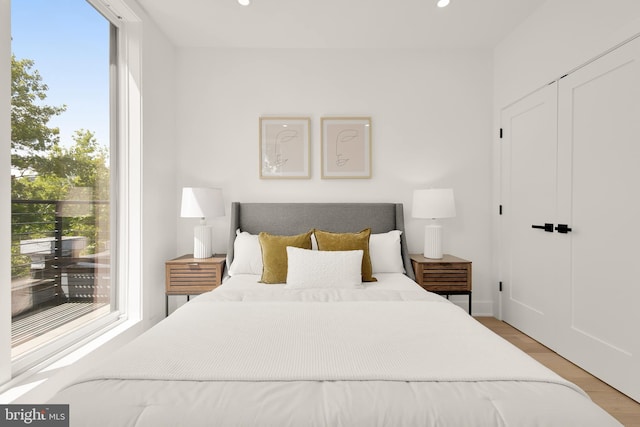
x=57, y=257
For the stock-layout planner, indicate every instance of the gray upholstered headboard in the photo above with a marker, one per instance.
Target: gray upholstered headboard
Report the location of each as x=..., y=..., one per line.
x=296, y=218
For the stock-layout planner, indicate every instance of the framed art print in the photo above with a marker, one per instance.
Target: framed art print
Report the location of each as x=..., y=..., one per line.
x=284, y=147
x=346, y=147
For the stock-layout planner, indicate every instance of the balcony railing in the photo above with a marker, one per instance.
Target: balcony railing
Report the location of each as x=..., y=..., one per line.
x=60, y=264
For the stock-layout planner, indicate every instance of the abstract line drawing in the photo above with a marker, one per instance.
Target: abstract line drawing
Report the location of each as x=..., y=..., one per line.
x=283, y=137
x=344, y=137
x=346, y=147
x=284, y=147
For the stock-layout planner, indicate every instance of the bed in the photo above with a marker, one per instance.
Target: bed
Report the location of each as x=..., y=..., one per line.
x=323, y=349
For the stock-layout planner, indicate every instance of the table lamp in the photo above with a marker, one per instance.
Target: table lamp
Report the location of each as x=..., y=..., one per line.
x=202, y=203
x=433, y=203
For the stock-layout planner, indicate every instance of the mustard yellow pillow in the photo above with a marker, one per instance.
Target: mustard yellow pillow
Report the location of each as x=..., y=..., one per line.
x=328, y=241
x=274, y=254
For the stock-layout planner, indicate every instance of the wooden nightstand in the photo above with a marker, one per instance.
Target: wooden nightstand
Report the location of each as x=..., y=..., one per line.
x=447, y=276
x=187, y=275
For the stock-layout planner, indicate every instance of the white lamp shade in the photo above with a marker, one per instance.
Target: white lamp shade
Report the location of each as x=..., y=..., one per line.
x=433, y=203
x=201, y=203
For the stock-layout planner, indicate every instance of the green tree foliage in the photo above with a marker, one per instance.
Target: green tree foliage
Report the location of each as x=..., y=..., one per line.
x=30, y=135
x=84, y=164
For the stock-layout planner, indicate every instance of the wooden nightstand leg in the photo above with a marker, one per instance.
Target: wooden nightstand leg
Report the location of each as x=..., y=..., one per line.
x=469, y=303
x=166, y=305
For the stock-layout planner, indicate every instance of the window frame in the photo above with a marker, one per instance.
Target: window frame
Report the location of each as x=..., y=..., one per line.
x=126, y=162
x=5, y=188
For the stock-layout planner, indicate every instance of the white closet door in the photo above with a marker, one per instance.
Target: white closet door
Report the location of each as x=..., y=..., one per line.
x=599, y=198
x=530, y=258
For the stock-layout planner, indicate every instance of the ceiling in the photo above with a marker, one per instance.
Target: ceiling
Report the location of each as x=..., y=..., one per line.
x=338, y=23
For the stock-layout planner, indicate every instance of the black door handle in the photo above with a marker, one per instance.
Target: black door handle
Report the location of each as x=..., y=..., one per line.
x=563, y=228
x=546, y=227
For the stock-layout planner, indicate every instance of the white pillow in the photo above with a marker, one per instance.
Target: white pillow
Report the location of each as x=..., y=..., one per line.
x=384, y=250
x=247, y=255
x=323, y=269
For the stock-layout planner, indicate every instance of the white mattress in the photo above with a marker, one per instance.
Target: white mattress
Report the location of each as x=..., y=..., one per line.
x=390, y=354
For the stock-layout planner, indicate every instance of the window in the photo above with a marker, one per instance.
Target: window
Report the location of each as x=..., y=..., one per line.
x=63, y=168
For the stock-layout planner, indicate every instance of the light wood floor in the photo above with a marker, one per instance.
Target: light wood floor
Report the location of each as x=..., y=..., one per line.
x=624, y=409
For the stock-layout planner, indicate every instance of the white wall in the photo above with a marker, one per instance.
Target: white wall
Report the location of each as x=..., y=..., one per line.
x=431, y=122
x=159, y=168
x=559, y=37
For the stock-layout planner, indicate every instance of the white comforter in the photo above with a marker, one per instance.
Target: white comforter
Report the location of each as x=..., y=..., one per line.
x=392, y=354
x=389, y=287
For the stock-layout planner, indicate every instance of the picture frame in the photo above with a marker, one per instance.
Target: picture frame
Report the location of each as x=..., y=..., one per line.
x=284, y=147
x=346, y=147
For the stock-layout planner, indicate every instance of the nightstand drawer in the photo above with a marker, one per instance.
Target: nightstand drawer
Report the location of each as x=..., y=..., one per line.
x=191, y=276
x=446, y=276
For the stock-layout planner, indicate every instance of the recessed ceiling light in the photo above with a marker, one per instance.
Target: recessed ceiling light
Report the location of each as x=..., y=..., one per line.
x=442, y=3
x=244, y=2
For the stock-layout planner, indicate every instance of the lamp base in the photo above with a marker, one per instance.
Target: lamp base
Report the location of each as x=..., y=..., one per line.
x=202, y=241
x=433, y=241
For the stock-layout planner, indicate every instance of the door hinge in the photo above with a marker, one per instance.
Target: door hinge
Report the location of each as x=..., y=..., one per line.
x=500, y=210
x=500, y=286
x=500, y=133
